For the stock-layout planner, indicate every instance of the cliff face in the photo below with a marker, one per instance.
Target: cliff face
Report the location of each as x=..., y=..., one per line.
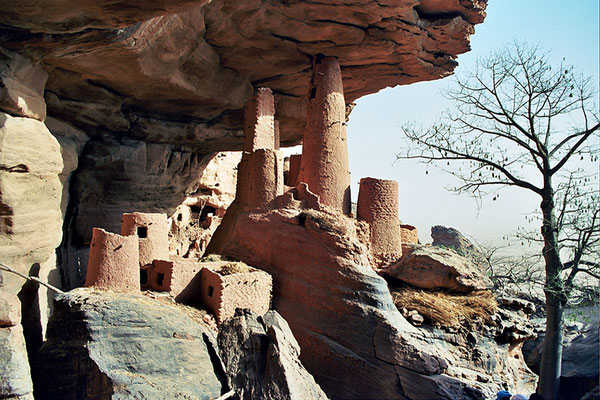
x=182, y=73
x=115, y=106
x=142, y=94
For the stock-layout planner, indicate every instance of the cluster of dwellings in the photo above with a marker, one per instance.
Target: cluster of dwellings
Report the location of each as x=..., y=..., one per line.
x=320, y=176
x=139, y=258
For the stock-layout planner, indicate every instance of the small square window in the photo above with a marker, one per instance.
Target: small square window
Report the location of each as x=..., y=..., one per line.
x=142, y=232
x=211, y=291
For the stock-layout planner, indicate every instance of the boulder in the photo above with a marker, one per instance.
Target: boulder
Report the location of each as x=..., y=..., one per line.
x=21, y=86
x=261, y=357
x=354, y=341
x=430, y=267
x=10, y=310
x=106, y=345
x=452, y=238
x=30, y=194
x=580, y=365
x=580, y=357
x=15, y=378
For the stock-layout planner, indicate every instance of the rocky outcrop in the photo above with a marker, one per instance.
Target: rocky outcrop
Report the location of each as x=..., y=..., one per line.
x=453, y=239
x=15, y=378
x=580, y=363
x=21, y=86
x=118, y=176
x=261, y=357
x=107, y=345
x=580, y=357
x=353, y=340
x=30, y=194
x=195, y=220
x=430, y=267
x=142, y=94
x=108, y=64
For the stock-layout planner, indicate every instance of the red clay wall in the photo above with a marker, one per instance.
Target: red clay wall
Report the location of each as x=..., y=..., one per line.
x=181, y=278
x=251, y=290
x=292, y=178
x=378, y=205
x=324, y=165
x=259, y=121
x=266, y=176
x=113, y=262
x=155, y=246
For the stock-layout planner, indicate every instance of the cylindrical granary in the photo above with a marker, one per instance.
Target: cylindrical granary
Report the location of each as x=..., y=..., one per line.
x=243, y=186
x=409, y=236
x=378, y=205
x=259, y=121
x=277, y=137
x=114, y=262
x=152, y=230
x=266, y=175
x=292, y=178
x=324, y=165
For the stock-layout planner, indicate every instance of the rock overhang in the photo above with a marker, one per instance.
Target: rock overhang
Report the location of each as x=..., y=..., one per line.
x=181, y=72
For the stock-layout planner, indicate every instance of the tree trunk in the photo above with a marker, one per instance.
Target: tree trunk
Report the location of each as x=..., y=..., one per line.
x=550, y=367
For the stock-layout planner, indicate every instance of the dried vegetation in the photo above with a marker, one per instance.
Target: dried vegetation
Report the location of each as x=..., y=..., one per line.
x=447, y=309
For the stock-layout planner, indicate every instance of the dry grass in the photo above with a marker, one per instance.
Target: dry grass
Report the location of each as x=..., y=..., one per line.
x=213, y=258
x=234, y=268
x=447, y=309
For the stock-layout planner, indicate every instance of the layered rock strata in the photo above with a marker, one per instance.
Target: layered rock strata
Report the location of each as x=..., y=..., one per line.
x=108, y=64
x=166, y=354
x=15, y=378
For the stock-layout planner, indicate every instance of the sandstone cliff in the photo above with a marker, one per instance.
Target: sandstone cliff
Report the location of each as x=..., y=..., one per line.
x=118, y=106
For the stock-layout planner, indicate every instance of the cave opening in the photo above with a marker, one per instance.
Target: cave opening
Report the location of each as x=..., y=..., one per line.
x=206, y=211
x=195, y=209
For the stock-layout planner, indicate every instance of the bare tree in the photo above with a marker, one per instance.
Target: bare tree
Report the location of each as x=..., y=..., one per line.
x=520, y=122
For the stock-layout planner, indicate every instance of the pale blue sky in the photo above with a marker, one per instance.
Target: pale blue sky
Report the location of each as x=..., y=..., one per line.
x=567, y=28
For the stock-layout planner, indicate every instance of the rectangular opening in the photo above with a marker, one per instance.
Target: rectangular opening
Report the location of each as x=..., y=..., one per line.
x=195, y=209
x=206, y=211
x=179, y=217
x=142, y=232
x=160, y=278
x=143, y=277
x=211, y=290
